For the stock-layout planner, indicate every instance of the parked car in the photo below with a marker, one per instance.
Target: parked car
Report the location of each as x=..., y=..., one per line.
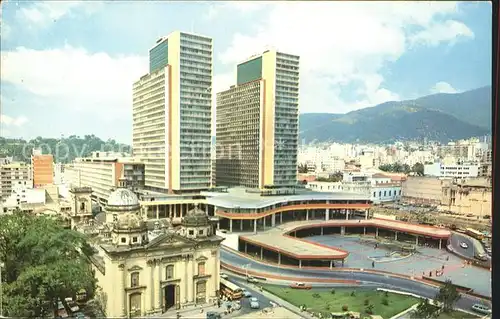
x=300, y=285
x=464, y=245
x=223, y=275
x=254, y=303
x=252, y=279
x=481, y=309
x=213, y=315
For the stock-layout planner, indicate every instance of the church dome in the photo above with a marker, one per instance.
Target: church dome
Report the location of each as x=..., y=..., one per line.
x=130, y=221
x=195, y=218
x=122, y=199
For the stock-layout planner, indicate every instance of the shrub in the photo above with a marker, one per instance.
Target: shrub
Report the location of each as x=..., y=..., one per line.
x=353, y=294
x=367, y=302
x=332, y=291
x=386, y=294
x=345, y=308
x=369, y=309
x=316, y=295
x=328, y=307
x=385, y=302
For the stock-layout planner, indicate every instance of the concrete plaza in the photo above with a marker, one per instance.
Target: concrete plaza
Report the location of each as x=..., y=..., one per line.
x=424, y=261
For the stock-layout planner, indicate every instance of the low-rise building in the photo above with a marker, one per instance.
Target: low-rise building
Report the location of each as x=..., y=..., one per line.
x=102, y=172
x=466, y=170
x=423, y=189
x=42, y=166
x=468, y=197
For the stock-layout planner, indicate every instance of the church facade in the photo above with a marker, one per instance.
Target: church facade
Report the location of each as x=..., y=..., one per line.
x=148, y=267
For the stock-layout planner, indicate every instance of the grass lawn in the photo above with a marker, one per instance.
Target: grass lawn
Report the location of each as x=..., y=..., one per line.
x=322, y=300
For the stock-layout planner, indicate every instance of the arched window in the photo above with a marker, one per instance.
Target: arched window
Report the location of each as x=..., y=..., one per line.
x=169, y=273
x=201, y=268
x=134, y=279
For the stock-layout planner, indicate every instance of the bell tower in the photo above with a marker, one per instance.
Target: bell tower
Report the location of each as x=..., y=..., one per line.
x=81, y=204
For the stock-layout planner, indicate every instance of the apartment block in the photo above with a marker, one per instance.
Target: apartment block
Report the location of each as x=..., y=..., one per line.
x=102, y=172
x=42, y=169
x=257, y=123
x=172, y=109
x=14, y=178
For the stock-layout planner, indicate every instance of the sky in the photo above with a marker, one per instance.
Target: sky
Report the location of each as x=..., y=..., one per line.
x=67, y=68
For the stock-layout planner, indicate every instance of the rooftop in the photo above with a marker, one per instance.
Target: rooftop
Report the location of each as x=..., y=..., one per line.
x=242, y=198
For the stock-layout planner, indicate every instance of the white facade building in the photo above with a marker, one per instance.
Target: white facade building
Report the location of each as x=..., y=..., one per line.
x=452, y=171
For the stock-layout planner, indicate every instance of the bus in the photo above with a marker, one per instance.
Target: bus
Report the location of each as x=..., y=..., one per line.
x=474, y=233
x=230, y=290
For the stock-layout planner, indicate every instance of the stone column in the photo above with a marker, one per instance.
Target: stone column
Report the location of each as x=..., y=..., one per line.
x=255, y=225
x=416, y=240
x=366, y=214
x=281, y=218
x=157, y=211
x=158, y=280
x=300, y=263
x=331, y=264
x=273, y=220
x=123, y=285
x=321, y=231
x=327, y=214
x=152, y=285
x=264, y=222
x=279, y=259
x=347, y=214
x=186, y=280
x=241, y=224
x=342, y=230
x=169, y=211
x=307, y=214
x=261, y=253
x=376, y=232
x=364, y=230
x=395, y=235
x=230, y=225
x=440, y=244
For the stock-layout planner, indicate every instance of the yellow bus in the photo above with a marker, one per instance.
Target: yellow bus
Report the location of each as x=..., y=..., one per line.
x=474, y=233
x=230, y=290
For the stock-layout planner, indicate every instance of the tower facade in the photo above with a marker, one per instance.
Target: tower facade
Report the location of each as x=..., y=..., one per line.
x=172, y=109
x=257, y=123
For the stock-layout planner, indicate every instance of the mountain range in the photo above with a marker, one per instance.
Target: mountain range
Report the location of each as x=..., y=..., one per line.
x=438, y=117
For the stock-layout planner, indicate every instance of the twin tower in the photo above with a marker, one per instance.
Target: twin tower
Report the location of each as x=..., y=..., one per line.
x=256, y=119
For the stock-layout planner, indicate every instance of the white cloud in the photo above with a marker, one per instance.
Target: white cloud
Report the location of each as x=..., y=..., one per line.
x=42, y=13
x=443, y=87
x=13, y=121
x=451, y=31
x=74, y=78
x=341, y=43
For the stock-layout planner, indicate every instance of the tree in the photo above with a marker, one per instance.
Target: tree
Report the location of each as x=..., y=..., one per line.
x=425, y=310
x=418, y=169
x=303, y=168
x=43, y=263
x=448, y=295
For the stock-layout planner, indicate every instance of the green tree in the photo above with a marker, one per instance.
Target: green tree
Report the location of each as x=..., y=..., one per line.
x=448, y=295
x=418, y=169
x=43, y=263
x=302, y=168
x=425, y=310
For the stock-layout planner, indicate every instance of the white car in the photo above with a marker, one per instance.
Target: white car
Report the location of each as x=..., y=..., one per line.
x=481, y=309
x=223, y=275
x=246, y=293
x=464, y=245
x=254, y=303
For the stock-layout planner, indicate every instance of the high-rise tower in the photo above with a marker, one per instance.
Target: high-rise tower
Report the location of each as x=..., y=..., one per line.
x=257, y=123
x=172, y=107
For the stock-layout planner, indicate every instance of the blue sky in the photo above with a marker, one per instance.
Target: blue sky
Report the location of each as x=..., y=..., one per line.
x=68, y=67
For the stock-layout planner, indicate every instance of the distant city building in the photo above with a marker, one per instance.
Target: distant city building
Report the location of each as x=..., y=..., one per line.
x=257, y=123
x=473, y=196
x=102, y=172
x=42, y=168
x=423, y=190
x=452, y=171
x=172, y=109
x=14, y=178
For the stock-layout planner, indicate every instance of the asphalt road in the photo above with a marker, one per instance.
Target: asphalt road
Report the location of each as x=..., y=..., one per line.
x=381, y=281
x=474, y=245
